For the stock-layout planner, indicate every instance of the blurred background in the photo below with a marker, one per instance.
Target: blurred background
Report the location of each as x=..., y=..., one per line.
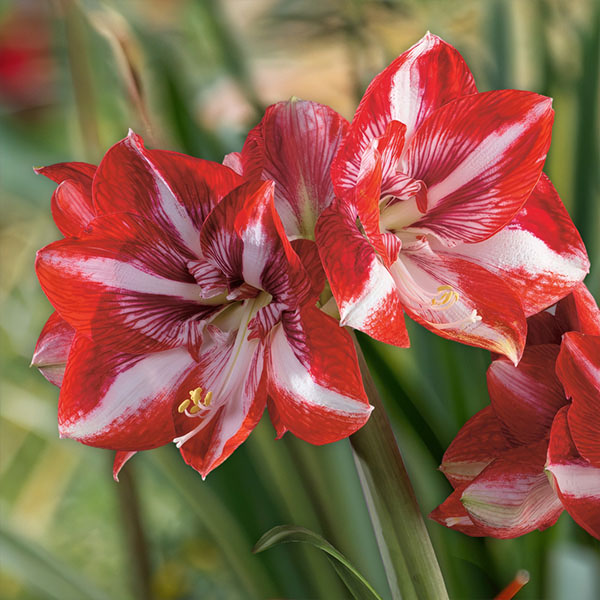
x=194, y=76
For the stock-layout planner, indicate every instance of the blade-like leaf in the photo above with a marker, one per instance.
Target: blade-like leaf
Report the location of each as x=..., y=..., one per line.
x=358, y=586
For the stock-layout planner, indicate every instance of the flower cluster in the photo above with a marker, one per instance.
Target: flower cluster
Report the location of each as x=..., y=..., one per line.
x=191, y=295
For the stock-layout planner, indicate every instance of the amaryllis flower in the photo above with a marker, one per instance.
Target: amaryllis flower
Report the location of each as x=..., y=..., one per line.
x=535, y=450
x=294, y=145
x=442, y=209
x=190, y=307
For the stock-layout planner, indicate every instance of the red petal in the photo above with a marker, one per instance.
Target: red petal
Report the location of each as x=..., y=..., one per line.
x=120, y=401
x=481, y=310
x=121, y=457
x=363, y=288
x=419, y=81
x=80, y=172
x=280, y=428
x=52, y=349
x=122, y=284
x=543, y=328
x=526, y=397
x=175, y=191
x=578, y=368
x=308, y=253
x=72, y=208
x=299, y=141
x=577, y=481
x=480, y=157
x=314, y=378
x=451, y=513
x=512, y=496
x=539, y=253
x=477, y=444
x=579, y=312
x=231, y=367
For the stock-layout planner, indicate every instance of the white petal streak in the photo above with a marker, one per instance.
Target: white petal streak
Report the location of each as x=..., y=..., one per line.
x=577, y=480
x=289, y=374
x=131, y=391
x=120, y=276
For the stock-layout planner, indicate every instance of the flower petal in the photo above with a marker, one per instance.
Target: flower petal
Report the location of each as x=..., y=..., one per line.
x=480, y=157
x=578, y=368
x=512, y=496
x=525, y=398
x=52, y=349
x=579, y=312
x=122, y=284
x=299, y=141
x=577, y=481
x=231, y=367
x=175, y=191
x=419, y=81
x=480, y=440
x=460, y=300
x=72, y=207
x=119, y=401
x=121, y=457
x=539, y=253
x=451, y=513
x=314, y=378
x=80, y=172
x=363, y=288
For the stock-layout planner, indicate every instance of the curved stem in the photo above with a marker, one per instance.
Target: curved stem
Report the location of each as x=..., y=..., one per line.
x=410, y=562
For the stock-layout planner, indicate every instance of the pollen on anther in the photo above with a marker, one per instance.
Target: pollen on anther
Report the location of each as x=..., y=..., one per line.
x=196, y=395
x=183, y=405
x=194, y=409
x=208, y=398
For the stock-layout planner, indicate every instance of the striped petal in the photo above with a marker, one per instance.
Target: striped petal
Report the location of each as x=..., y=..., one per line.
x=576, y=480
x=229, y=376
x=363, y=288
x=452, y=514
x=81, y=172
x=480, y=441
x=578, y=368
x=539, y=253
x=119, y=401
x=525, y=398
x=124, y=286
x=418, y=82
x=298, y=142
x=52, y=349
x=512, y=496
x=460, y=300
x=314, y=378
x=175, y=191
x=480, y=157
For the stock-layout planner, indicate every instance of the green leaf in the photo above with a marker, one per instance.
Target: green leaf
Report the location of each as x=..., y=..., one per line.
x=358, y=586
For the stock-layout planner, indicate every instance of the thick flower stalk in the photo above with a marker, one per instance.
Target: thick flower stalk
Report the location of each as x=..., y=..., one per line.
x=442, y=210
x=535, y=450
x=188, y=308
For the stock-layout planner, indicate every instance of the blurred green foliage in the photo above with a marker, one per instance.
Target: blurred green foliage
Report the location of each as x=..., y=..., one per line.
x=194, y=76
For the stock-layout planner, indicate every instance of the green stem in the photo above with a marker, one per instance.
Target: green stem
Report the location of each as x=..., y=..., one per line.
x=410, y=562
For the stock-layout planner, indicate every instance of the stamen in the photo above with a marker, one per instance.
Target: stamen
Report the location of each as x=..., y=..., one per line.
x=521, y=578
x=196, y=395
x=183, y=405
x=208, y=398
x=195, y=409
x=459, y=323
x=446, y=297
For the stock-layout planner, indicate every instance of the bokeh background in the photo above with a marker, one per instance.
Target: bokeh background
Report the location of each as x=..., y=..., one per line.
x=194, y=76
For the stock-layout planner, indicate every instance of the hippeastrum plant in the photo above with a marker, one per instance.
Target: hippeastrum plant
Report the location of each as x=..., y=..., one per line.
x=188, y=307
x=442, y=209
x=535, y=450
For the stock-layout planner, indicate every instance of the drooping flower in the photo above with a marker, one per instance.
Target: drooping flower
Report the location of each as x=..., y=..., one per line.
x=190, y=307
x=442, y=209
x=535, y=450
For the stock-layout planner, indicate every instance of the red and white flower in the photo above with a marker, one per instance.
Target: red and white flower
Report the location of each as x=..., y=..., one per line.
x=190, y=307
x=535, y=450
x=442, y=209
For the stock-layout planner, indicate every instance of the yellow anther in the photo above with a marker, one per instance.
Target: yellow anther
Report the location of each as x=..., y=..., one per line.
x=446, y=297
x=183, y=405
x=208, y=398
x=196, y=395
x=194, y=409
